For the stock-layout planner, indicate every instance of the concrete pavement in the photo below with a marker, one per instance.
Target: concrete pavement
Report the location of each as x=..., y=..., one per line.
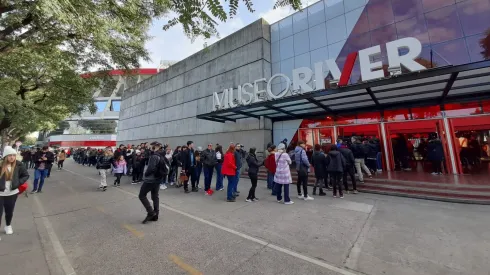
x=73, y=229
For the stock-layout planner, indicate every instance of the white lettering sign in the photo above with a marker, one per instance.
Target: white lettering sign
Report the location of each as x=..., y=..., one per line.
x=301, y=83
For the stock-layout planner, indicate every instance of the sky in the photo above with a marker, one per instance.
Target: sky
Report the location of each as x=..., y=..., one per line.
x=174, y=45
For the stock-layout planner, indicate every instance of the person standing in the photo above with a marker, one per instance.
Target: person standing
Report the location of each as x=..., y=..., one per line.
x=138, y=167
x=209, y=161
x=120, y=169
x=302, y=168
x=435, y=154
x=198, y=170
x=104, y=164
x=318, y=161
x=12, y=175
x=335, y=167
x=348, y=168
x=26, y=158
x=61, y=159
x=44, y=159
x=359, y=157
x=177, y=165
x=189, y=166
x=171, y=176
x=270, y=178
x=282, y=177
x=219, y=164
x=229, y=170
x=270, y=164
x=33, y=162
x=157, y=170
x=253, y=171
x=238, y=162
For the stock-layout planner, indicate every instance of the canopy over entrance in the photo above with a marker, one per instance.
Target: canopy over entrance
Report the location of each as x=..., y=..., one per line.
x=460, y=83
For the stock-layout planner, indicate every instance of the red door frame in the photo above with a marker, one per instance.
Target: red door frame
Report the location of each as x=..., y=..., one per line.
x=465, y=123
x=407, y=127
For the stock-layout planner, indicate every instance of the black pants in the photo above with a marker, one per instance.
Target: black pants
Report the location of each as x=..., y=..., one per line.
x=318, y=183
x=60, y=164
x=335, y=181
x=136, y=174
x=118, y=178
x=349, y=170
x=251, y=193
x=153, y=188
x=7, y=202
x=436, y=166
x=302, y=181
x=26, y=163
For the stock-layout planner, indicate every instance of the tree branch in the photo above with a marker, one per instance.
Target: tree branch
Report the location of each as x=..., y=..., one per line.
x=41, y=99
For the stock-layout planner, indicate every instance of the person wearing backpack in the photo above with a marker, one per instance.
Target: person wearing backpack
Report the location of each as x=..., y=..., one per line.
x=157, y=170
x=360, y=153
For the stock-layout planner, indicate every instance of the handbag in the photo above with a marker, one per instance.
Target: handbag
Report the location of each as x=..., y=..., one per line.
x=303, y=170
x=183, y=176
x=23, y=187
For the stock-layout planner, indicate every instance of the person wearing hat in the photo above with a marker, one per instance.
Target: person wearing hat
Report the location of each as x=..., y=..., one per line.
x=44, y=159
x=12, y=175
x=157, y=170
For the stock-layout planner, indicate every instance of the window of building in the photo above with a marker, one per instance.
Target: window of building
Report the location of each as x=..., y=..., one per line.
x=397, y=115
x=101, y=106
x=426, y=112
x=462, y=109
x=115, y=105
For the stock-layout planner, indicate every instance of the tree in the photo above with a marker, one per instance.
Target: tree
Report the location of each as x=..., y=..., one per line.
x=485, y=45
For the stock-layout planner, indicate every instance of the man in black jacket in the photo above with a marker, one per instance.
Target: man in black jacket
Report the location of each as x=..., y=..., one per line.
x=209, y=161
x=155, y=172
x=43, y=159
x=349, y=167
x=189, y=166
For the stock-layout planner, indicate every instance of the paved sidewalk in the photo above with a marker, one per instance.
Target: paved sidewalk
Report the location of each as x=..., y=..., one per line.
x=84, y=231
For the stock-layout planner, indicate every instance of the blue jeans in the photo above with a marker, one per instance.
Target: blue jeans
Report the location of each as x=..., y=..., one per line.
x=237, y=178
x=219, y=176
x=39, y=175
x=379, y=161
x=270, y=180
x=208, y=177
x=231, y=187
x=279, y=192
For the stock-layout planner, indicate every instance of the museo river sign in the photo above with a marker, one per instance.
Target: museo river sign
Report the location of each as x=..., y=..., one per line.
x=249, y=93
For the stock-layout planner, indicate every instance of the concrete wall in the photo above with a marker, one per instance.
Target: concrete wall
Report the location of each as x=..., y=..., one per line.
x=164, y=107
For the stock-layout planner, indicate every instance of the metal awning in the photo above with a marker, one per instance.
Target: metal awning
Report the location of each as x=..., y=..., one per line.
x=462, y=83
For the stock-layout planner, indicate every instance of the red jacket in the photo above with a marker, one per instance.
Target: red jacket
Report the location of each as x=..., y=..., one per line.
x=229, y=165
x=270, y=163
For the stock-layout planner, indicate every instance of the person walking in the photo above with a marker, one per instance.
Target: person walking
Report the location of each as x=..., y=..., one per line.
x=209, y=161
x=359, y=152
x=119, y=169
x=435, y=154
x=157, y=170
x=282, y=176
x=319, y=163
x=61, y=159
x=302, y=168
x=348, y=168
x=138, y=167
x=335, y=167
x=104, y=164
x=229, y=170
x=44, y=159
x=253, y=171
x=219, y=164
x=12, y=175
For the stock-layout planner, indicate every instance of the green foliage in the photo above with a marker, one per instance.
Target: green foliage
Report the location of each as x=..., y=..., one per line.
x=100, y=126
x=200, y=17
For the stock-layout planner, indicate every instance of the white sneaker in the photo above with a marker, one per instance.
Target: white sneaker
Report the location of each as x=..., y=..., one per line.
x=279, y=201
x=172, y=183
x=434, y=173
x=163, y=187
x=221, y=189
x=380, y=170
x=134, y=182
x=308, y=198
x=247, y=200
x=9, y=230
x=289, y=202
x=301, y=197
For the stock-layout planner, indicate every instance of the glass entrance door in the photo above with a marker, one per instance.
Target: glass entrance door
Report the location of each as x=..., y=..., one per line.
x=407, y=144
x=471, y=137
